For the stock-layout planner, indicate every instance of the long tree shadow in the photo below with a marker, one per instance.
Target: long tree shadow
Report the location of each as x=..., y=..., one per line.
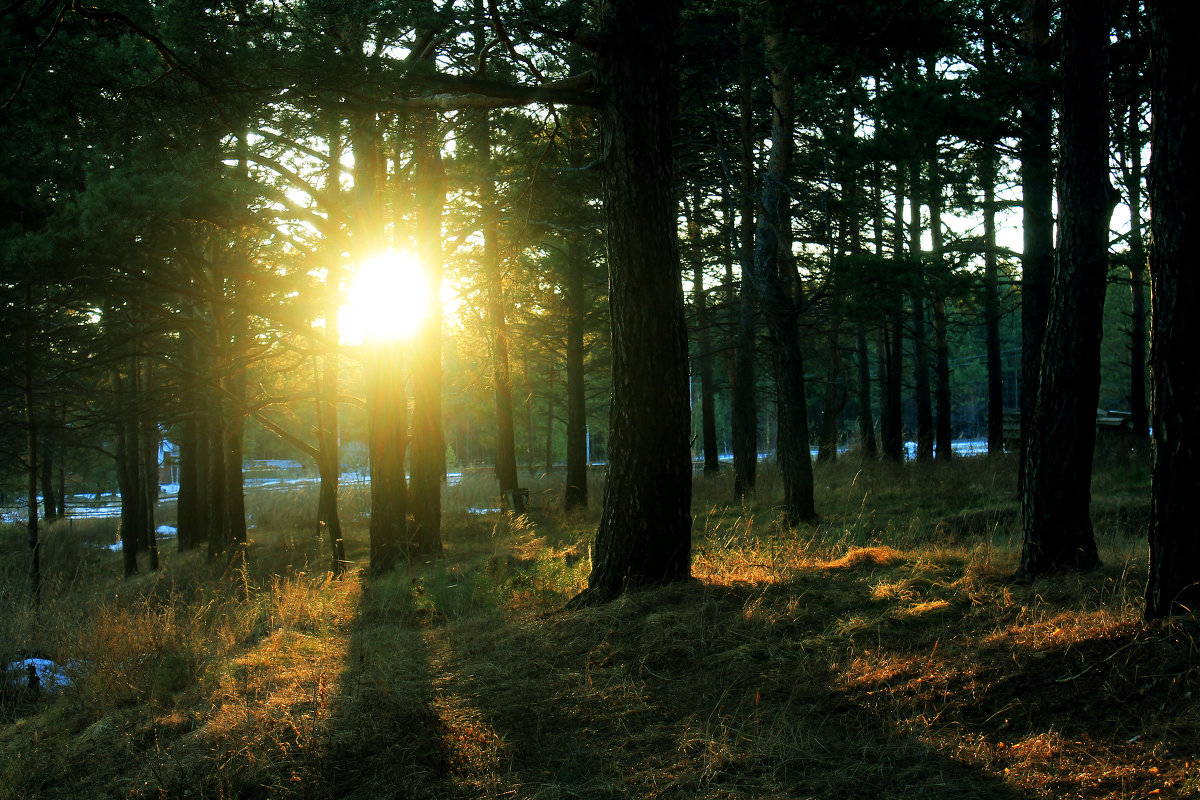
x=684, y=692
x=824, y=685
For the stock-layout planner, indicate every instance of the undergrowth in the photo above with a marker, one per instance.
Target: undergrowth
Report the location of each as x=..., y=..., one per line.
x=881, y=653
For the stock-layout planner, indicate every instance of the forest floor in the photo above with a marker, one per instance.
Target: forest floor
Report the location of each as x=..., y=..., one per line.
x=884, y=653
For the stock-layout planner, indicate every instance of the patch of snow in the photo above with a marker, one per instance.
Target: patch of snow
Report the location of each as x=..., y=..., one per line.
x=51, y=676
x=483, y=511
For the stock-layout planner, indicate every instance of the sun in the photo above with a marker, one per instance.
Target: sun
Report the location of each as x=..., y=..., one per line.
x=387, y=300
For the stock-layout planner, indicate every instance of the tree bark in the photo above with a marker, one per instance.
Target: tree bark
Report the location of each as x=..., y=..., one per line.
x=1174, y=581
x=644, y=535
x=743, y=408
x=428, y=437
x=777, y=284
x=1056, y=494
x=1037, y=193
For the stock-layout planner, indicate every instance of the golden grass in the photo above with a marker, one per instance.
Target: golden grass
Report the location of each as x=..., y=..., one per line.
x=881, y=654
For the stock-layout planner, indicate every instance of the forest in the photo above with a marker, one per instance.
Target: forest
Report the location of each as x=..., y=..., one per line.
x=722, y=398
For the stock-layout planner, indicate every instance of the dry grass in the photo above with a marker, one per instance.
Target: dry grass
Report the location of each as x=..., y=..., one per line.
x=881, y=654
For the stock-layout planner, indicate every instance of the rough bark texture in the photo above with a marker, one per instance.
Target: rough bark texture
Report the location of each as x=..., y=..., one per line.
x=1058, y=468
x=644, y=535
x=1037, y=193
x=1174, y=582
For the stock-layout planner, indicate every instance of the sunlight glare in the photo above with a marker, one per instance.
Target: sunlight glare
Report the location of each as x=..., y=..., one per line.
x=386, y=300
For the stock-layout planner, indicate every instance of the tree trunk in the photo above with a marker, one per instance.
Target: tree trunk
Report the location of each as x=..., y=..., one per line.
x=644, y=535
x=943, y=429
x=743, y=408
x=890, y=349
x=835, y=399
x=704, y=358
x=387, y=438
x=218, y=521
x=428, y=438
x=329, y=520
x=918, y=325
x=506, y=448
x=132, y=535
x=777, y=284
x=1037, y=192
x=991, y=306
x=576, y=493
x=1058, y=528
x=1139, y=413
x=31, y=442
x=866, y=420
x=149, y=439
x=1174, y=581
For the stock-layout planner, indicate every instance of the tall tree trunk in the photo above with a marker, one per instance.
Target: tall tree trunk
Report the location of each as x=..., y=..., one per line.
x=326, y=366
x=1174, y=581
x=328, y=462
x=216, y=484
x=835, y=398
x=506, y=448
x=920, y=341
x=704, y=358
x=235, y=445
x=576, y=493
x=1139, y=413
x=387, y=438
x=428, y=438
x=31, y=443
x=644, y=535
x=132, y=535
x=867, y=447
x=943, y=429
x=991, y=305
x=1037, y=193
x=777, y=284
x=149, y=439
x=187, y=500
x=743, y=406
x=890, y=349
x=1058, y=528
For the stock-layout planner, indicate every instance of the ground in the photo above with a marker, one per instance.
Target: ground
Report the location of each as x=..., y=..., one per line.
x=884, y=654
